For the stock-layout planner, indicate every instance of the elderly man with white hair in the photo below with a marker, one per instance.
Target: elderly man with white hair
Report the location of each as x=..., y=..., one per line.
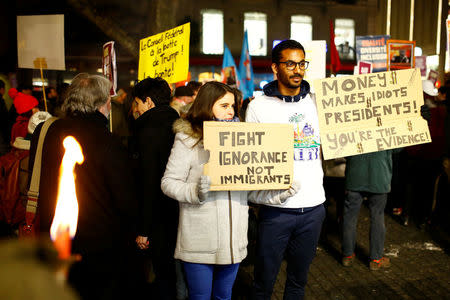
x=104, y=188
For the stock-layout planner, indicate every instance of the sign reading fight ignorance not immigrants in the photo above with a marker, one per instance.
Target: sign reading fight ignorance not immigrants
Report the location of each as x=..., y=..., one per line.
x=165, y=55
x=248, y=156
x=371, y=112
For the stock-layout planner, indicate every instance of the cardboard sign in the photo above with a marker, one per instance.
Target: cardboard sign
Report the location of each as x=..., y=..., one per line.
x=316, y=55
x=372, y=112
x=165, y=55
x=40, y=42
x=248, y=156
x=372, y=48
x=109, y=65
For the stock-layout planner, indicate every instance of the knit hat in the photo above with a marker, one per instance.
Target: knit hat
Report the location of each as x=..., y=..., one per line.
x=24, y=103
x=36, y=119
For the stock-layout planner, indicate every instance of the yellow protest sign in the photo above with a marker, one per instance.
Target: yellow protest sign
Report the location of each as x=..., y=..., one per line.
x=370, y=112
x=165, y=55
x=248, y=156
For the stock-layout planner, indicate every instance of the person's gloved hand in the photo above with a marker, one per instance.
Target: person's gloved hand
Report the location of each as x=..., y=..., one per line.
x=425, y=112
x=204, y=185
x=291, y=191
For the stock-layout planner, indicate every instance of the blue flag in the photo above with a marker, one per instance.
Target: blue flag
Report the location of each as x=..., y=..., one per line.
x=246, y=70
x=230, y=72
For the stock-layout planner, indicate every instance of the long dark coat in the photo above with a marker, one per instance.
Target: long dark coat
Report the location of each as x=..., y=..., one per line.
x=154, y=138
x=104, y=184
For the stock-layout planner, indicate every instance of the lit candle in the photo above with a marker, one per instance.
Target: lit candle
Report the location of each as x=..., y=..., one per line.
x=63, y=243
x=64, y=225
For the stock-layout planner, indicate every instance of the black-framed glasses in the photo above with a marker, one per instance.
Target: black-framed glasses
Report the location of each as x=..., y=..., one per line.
x=291, y=65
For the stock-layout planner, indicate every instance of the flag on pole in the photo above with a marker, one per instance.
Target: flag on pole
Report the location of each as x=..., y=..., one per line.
x=230, y=73
x=246, y=70
x=334, y=55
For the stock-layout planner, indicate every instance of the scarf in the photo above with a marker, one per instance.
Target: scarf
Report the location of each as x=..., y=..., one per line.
x=235, y=119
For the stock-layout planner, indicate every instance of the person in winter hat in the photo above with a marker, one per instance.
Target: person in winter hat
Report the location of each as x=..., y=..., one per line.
x=25, y=106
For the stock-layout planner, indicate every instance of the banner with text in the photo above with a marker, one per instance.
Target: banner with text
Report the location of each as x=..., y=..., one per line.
x=371, y=112
x=249, y=156
x=372, y=48
x=165, y=55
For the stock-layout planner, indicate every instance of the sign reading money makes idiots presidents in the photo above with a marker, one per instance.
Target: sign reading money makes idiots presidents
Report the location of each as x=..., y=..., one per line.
x=371, y=112
x=249, y=156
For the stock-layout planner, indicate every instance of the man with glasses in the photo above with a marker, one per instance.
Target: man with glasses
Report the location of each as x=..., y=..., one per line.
x=290, y=230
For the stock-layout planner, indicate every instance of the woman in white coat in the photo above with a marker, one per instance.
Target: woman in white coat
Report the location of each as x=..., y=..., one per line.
x=212, y=230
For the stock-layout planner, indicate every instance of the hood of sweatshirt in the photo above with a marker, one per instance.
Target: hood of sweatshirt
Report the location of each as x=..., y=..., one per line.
x=271, y=89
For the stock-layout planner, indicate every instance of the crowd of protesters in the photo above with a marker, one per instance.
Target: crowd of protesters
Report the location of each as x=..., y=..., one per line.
x=143, y=197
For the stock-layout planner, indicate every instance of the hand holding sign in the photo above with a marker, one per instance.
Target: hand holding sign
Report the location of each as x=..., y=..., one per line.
x=204, y=186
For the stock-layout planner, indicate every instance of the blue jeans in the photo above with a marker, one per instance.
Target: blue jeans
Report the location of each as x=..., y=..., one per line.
x=204, y=280
x=352, y=205
x=289, y=233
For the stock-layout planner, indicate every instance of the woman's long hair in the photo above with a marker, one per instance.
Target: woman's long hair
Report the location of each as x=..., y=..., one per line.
x=201, y=109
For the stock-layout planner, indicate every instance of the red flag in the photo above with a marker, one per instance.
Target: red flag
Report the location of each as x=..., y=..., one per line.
x=334, y=55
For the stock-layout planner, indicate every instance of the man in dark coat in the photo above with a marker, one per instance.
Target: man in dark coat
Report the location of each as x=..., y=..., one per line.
x=104, y=187
x=158, y=219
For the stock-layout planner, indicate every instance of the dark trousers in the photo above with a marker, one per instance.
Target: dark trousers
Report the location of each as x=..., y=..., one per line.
x=289, y=233
x=377, y=203
x=162, y=248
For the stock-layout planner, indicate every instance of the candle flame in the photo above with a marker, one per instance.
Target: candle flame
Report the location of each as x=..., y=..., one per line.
x=66, y=213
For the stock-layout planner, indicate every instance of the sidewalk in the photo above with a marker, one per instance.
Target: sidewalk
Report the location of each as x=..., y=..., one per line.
x=420, y=267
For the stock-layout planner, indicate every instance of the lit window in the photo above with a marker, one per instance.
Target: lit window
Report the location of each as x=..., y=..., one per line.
x=212, y=37
x=344, y=30
x=301, y=28
x=38, y=82
x=256, y=26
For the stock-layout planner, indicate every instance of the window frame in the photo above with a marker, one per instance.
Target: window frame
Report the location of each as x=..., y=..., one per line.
x=255, y=14
x=212, y=11
x=310, y=19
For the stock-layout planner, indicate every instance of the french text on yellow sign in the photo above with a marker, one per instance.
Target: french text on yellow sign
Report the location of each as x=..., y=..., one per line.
x=165, y=55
